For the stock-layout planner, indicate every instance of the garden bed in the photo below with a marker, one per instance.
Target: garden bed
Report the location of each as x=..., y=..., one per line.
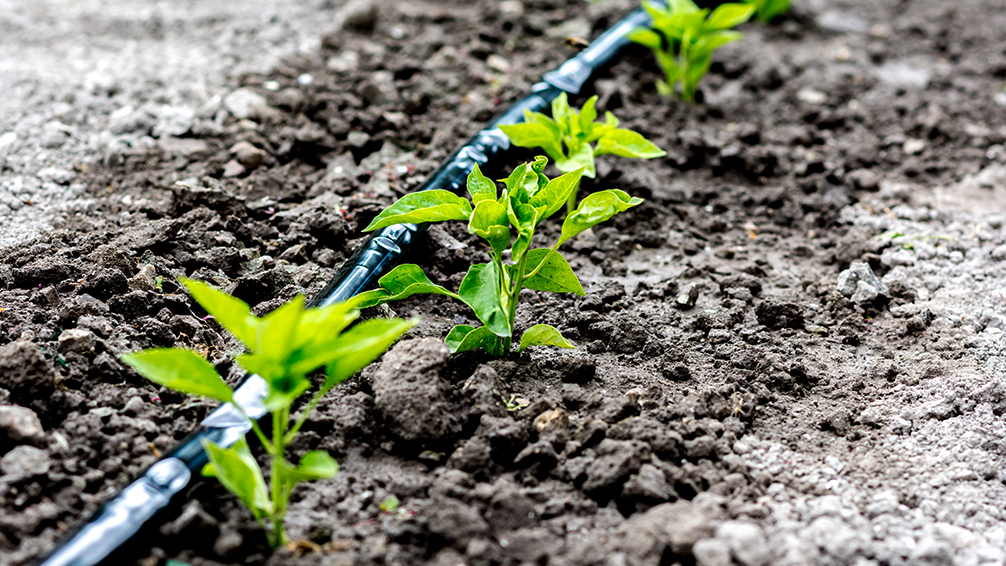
x=725, y=394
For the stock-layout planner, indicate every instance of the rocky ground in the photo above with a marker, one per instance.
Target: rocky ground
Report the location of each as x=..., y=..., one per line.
x=792, y=353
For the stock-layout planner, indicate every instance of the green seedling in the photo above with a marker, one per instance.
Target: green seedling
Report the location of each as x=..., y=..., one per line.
x=284, y=347
x=767, y=10
x=567, y=138
x=492, y=289
x=684, y=37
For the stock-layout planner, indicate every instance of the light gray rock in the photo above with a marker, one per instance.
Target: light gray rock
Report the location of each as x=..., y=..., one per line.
x=746, y=541
x=76, y=340
x=246, y=104
x=842, y=22
x=24, y=462
x=174, y=121
x=850, y=279
x=127, y=120
x=21, y=425
x=712, y=552
x=902, y=74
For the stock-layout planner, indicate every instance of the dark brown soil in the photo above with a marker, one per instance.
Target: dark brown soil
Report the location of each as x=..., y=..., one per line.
x=626, y=450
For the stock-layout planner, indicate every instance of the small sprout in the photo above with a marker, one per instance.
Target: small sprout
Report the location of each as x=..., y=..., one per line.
x=159, y=284
x=573, y=137
x=683, y=39
x=389, y=505
x=515, y=403
x=285, y=346
x=492, y=289
x=767, y=10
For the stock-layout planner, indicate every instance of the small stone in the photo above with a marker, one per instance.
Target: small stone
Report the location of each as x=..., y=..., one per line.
x=343, y=62
x=860, y=272
x=54, y=134
x=233, y=169
x=145, y=279
x=25, y=462
x=842, y=22
x=134, y=406
x=128, y=119
x=76, y=340
x=746, y=541
x=228, y=543
x=865, y=293
x=913, y=146
x=686, y=299
x=811, y=96
x=359, y=14
x=56, y=175
x=173, y=121
x=863, y=179
x=245, y=104
x=712, y=552
x=904, y=75
x=498, y=64
x=21, y=425
x=183, y=146
x=358, y=139
x=248, y=155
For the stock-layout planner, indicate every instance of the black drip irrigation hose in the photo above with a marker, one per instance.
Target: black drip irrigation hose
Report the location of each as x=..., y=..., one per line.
x=123, y=515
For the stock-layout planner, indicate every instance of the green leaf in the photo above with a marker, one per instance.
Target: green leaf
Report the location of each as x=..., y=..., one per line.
x=524, y=217
x=362, y=344
x=537, y=166
x=463, y=338
x=709, y=43
x=515, y=185
x=238, y=471
x=560, y=110
x=489, y=221
x=594, y=209
x=627, y=143
x=693, y=74
x=646, y=37
x=322, y=324
x=315, y=465
x=534, y=134
x=480, y=187
x=772, y=8
x=232, y=313
x=727, y=16
x=588, y=114
x=556, y=276
x=400, y=283
x=583, y=158
x=543, y=335
x=556, y=192
x=278, y=329
x=181, y=370
x=434, y=205
x=480, y=290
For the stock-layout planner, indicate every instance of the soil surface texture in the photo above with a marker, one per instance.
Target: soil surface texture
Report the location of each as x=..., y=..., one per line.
x=792, y=353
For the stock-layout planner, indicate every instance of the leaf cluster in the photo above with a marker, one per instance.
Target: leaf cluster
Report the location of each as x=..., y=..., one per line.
x=567, y=135
x=683, y=38
x=284, y=347
x=507, y=221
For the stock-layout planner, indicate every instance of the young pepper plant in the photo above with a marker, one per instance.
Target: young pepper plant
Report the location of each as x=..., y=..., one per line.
x=492, y=289
x=284, y=347
x=683, y=39
x=567, y=136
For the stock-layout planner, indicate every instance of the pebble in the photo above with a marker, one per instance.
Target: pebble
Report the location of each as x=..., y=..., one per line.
x=134, y=406
x=811, y=96
x=835, y=20
x=901, y=74
x=712, y=552
x=850, y=280
x=24, y=462
x=127, y=119
x=248, y=155
x=21, y=425
x=233, y=169
x=54, y=134
x=913, y=146
x=746, y=541
x=245, y=104
x=686, y=298
x=359, y=14
x=76, y=340
x=174, y=121
x=345, y=61
x=56, y=175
